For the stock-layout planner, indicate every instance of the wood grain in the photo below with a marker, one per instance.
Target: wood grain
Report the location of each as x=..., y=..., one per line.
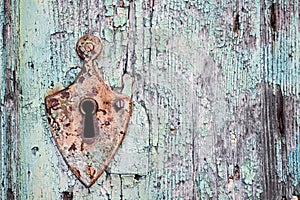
x=215, y=90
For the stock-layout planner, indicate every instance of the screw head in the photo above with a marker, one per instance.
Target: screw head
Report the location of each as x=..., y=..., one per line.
x=119, y=104
x=89, y=47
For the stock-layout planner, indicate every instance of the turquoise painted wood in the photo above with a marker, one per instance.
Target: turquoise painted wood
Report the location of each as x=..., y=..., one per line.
x=215, y=89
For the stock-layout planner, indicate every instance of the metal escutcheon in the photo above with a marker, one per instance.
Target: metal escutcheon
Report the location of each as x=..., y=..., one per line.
x=88, y=120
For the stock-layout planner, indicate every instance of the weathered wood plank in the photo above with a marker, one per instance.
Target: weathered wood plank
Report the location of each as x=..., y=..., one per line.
x=57, y=62
x=215, y=86
x=9, y=99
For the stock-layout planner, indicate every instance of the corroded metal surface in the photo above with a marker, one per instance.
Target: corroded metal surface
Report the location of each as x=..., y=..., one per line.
x=88, y=120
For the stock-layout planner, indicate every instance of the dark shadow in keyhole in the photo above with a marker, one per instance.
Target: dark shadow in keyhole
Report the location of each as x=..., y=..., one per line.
x=88, y=109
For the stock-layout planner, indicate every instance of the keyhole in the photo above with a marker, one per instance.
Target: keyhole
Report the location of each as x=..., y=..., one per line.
x=88, y=108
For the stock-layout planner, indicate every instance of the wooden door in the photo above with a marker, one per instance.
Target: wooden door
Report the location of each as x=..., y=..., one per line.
x=215, y=89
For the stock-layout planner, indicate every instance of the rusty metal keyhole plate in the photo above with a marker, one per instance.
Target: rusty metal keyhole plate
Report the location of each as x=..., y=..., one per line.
x=88, y=120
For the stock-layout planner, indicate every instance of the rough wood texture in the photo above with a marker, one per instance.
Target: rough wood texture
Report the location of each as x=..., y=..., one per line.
x=215, y=89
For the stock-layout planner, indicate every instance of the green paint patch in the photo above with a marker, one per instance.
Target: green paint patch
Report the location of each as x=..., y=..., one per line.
x=109, y=11
x=119, y=21
x=108, y=2
x=250, y=170
x=204, y=183
x=294, y=165
x=248, y=174
x=108, y=34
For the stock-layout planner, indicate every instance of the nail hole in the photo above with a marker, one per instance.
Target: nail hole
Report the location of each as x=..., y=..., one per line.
x=34, y=150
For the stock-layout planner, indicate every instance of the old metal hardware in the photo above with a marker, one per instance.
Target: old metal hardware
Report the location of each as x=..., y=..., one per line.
x=88, y=120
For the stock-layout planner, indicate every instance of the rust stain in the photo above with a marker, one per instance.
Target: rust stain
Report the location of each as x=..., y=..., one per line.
x=65, y=94
x=172, y=128
x=237, y=172
x=236, y=23
x=53, y=91
x=76, y=172
x=91, y=172
x=72, y=147
x=52, y=103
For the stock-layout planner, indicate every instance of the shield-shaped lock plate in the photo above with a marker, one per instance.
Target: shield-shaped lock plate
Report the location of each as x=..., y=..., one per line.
x=88, y=120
